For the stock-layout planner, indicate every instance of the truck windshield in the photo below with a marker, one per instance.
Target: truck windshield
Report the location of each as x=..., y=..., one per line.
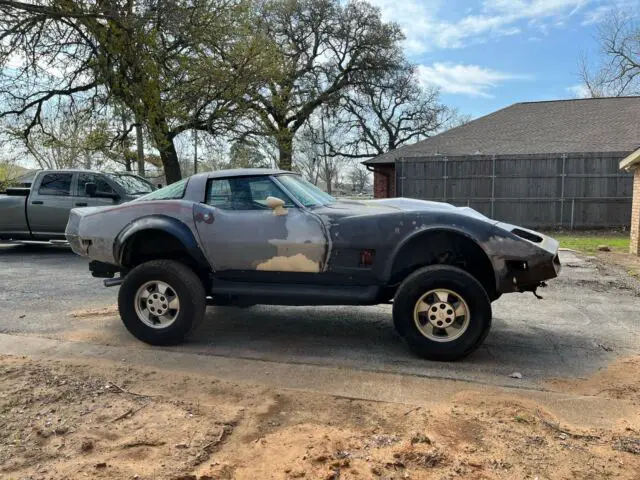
x=305, y=192
x=131, y=184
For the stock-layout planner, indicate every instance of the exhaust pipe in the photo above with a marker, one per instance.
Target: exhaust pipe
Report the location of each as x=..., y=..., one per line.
x=113, y=282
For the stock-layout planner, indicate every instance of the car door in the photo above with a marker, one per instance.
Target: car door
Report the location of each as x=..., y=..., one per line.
x=81, y=199
x=241, y=233
x=49, y=205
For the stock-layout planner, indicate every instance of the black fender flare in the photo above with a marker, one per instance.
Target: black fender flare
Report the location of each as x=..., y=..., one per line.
x=388, y=268
x=165, y=224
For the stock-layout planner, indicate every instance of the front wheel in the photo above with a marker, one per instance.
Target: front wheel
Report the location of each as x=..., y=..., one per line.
x=161, y=301
x=443, y=312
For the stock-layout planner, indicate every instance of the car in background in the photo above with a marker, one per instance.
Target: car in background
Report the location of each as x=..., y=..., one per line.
x=41, y=211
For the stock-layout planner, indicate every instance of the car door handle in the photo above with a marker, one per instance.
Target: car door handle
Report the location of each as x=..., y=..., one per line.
x=37, y=202
x=81, y=204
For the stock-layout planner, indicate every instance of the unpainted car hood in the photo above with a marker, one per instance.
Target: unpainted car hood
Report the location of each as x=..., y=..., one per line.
x=395, y=205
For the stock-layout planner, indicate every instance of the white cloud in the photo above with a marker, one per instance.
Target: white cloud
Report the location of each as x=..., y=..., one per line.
x=600, y=13
x=578, y=91
x=471, y=80
x=596, y=15
x=493, y=18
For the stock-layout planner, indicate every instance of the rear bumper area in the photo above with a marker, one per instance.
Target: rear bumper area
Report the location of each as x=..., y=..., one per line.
x=71, y=234
x=103, y=270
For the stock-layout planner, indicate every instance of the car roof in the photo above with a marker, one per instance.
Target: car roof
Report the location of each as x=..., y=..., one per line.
x=243, y=172
x=82, y=170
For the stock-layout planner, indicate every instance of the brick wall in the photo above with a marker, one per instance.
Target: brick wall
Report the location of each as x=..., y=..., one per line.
x=384, y=181
x=635, y=214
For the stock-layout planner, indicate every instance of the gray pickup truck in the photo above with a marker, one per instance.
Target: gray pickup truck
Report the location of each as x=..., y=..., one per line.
x=40, y=213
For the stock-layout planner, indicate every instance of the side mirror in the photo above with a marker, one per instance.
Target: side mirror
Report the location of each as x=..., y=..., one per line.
x=90, y=189
x=277, y=205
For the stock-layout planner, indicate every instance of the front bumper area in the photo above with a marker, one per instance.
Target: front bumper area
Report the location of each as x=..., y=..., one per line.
x=531, y=259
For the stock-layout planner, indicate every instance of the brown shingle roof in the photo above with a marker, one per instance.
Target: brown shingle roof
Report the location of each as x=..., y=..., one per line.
x=561, y=126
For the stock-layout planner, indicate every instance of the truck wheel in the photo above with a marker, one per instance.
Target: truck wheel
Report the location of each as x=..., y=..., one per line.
x=443, y=312
x=161, y=301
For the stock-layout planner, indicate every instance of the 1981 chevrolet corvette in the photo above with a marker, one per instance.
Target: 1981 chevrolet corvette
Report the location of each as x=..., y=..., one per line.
x=257, y=236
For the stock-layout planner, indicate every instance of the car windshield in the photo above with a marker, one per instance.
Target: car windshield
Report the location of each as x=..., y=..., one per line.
x=305, y=192
x=131, y=184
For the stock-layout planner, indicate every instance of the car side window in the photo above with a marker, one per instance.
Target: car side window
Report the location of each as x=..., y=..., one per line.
x=101, y=184
x=57, y=184
x=244, y=193
x=175, y=191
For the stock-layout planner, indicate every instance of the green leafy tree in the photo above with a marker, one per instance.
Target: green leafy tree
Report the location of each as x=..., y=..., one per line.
x=176, y=65
x=319, y=49
x=247, y=154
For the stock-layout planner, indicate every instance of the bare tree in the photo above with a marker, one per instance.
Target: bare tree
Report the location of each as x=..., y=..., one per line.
x=387, y=112
x=360, y=178
x=319, y=49
x=617, y=73
x=318, y=164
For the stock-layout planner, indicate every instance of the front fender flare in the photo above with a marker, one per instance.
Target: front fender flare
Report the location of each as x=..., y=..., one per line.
x=388, y=268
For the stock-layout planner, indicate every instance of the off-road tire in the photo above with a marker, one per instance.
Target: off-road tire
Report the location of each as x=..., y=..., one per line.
x=186, y=284
x=450, y=278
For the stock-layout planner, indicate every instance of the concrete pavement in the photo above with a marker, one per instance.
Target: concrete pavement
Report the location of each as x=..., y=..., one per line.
x=589, y=317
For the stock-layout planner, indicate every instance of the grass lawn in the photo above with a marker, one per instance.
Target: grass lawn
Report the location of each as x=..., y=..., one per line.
x=588, y=242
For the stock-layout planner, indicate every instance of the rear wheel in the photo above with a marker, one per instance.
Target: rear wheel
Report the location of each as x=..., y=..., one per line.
x=161, y=301
x=443, y=312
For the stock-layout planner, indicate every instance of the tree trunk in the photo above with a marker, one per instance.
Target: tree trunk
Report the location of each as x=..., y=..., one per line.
x=164, y=143
x=285, y=148
x=328, y=175
x=170, y=163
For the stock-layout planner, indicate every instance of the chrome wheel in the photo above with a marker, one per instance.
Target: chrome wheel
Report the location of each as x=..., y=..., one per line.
x=157, y=304
x=441, y=315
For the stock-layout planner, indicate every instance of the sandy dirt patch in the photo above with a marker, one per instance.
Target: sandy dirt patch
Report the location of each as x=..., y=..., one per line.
x=103, y=420
x=95, y=312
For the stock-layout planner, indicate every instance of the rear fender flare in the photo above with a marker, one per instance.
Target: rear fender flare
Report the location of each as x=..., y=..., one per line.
x=164, y=223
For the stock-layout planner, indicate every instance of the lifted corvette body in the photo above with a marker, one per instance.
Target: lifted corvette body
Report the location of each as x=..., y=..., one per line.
x=257, y=236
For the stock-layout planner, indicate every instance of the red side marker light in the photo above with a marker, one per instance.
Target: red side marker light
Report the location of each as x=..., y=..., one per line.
x=366, y=257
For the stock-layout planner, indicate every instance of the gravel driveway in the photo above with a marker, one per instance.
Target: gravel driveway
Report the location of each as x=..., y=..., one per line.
x=588, y=317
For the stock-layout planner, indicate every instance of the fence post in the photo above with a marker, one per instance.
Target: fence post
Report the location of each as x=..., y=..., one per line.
x=573, y=207
x=399, y=177
x=493, y=185
x=444, y=178
x=564, y=160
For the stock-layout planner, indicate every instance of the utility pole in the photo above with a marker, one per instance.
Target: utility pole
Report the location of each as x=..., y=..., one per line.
x=327, y=174
x=195, y=151
x=140, y=149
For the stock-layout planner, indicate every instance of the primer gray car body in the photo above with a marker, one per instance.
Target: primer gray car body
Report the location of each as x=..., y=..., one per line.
x=357, y=251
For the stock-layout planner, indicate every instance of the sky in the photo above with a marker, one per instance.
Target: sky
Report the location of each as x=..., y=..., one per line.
x=488, y=54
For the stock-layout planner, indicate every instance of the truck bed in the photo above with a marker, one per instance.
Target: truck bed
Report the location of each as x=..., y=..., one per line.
x=13, y=215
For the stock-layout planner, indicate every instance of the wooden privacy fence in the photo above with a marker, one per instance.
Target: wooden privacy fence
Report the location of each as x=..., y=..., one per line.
x=537, y=191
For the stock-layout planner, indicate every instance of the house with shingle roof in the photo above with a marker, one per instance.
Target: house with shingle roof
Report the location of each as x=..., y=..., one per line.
x=564, y=127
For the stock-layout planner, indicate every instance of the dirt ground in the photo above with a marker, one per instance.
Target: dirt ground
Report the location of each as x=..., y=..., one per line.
x=629, y=263
x=76, y=419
